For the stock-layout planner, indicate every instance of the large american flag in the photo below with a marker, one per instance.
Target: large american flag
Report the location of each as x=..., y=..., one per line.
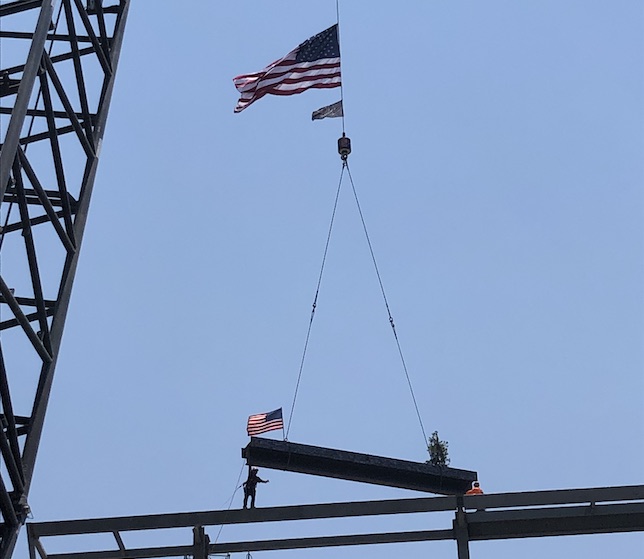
x=263, y=422
x=313, y=64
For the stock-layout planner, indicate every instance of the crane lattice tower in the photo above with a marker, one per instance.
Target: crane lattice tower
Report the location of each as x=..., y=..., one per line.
x=58, y=60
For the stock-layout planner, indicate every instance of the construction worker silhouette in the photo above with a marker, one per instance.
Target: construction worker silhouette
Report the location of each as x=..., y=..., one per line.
x=476, y=489
x=250, y=486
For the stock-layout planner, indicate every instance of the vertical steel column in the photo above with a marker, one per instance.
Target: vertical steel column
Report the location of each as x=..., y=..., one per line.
x=461, y=534
x=201, y=542
x=31, y=542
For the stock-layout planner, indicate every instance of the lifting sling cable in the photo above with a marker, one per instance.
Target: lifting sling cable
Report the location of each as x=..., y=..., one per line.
x=384, y=296
x=315, y=299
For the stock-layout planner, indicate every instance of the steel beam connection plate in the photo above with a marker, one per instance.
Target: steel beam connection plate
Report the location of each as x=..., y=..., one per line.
x=353, y=466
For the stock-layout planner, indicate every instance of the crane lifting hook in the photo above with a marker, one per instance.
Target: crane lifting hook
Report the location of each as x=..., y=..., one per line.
x=344, y=147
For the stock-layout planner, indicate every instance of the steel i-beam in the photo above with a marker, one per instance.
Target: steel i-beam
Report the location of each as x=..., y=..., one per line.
x=354, y=466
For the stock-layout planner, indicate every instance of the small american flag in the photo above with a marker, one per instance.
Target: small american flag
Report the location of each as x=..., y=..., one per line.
x=263, y=422
x=313, y=64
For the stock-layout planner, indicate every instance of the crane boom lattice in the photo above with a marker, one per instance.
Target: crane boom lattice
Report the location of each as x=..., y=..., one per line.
x=57, y=73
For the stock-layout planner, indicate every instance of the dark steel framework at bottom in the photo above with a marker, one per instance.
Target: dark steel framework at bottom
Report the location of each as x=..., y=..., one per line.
x=476, y=518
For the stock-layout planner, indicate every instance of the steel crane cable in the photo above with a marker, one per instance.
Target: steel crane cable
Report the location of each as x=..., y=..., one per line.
x=384, y=296
x=315, y=299
x=345, y=165
x=337, y=15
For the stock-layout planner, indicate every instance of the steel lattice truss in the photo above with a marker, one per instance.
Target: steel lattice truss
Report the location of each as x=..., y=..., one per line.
x=57, y=67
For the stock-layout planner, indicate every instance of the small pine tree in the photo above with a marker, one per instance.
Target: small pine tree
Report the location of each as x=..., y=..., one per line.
x=437, y=451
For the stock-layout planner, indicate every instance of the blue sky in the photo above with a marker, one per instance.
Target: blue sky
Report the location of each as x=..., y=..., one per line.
x=497, y=154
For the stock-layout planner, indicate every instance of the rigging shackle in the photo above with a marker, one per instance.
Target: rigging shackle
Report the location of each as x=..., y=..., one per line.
x=344, y=147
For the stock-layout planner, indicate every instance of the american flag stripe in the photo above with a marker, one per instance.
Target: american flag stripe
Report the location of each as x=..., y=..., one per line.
x=264, y=428
x=296, y=82
x=319, y=85
x=295, y=87
x=252, y=85
x=297, y=78
x=286, y=66
x=273, y=73
x=304, y=68
x=290, y=87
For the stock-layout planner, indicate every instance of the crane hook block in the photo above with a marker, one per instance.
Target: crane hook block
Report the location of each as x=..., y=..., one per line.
x=344, y=147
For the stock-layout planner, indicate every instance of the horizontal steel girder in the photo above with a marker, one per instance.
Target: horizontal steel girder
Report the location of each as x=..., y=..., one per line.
x=353, y=466
x=497, y=516
x=558, y=521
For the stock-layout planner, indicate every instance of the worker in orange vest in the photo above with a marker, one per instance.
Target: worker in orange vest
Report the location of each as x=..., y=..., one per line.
x=476, y=489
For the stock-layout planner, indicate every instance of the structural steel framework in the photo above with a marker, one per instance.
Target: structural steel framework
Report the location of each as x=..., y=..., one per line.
x=58, y=60
x=476, y=518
